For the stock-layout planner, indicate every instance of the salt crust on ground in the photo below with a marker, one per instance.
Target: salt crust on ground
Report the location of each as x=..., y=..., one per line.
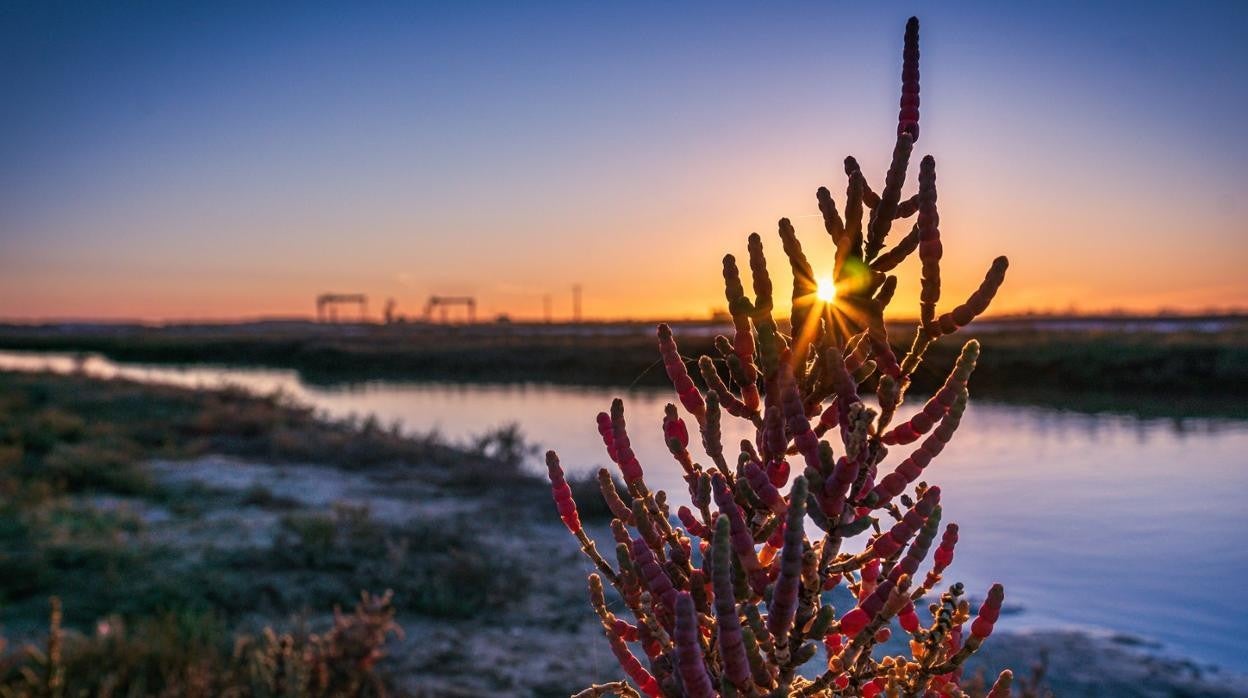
x=549, y=643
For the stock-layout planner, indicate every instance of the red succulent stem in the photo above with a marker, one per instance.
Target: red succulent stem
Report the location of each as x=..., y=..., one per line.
x=843, y=385
x=829, y=418
x=853, y=212
x=690, y=663
x=773, y=441
x=857, y=352
x=633, y=668
x=652, y=640
x=836, y=488
x=611, y=496
x=944, y=552
x=608, y=437
x=778, y=472
x=627, y=631
x=803, y=323
x=868, y=576
x=652, y=574
x=758, y=272
x=899, y=252
x=674, y=428
x=989, y=611
x=908, y=116
x=961, y=316
x=885, y=295
x=691, y=523
x=943, y=557
x=763, y=488
x=882, y=215
x=627, y=460
x=909, y=564
x=930, y=249
x=714, y=384
x=881, y=350
x=679, y=375
x=861, y=615
x=889, y=543
x=909, y=469
x=797, y=425
x=783, y=606
x=939, y=405
x=676, y=436
x=739, y=533
x=743, y=340
x=769, y=341
x=908, y=618
x=731, y=642
x=908, y=208
x=645, y=525
x=832, y=222
x=712, y=435
x=562, y=493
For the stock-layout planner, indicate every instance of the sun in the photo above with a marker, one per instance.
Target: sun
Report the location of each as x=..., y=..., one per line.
x=825, y=290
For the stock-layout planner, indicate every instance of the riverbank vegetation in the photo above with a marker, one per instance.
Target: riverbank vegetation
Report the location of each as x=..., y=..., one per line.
x=1175, y=357
x=170, y=557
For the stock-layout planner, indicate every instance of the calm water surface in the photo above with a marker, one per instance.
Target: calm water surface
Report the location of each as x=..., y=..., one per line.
x=1108, y=523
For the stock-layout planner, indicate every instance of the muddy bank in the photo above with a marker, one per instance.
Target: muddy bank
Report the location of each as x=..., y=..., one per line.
x=1080, y=664
x=545, y=641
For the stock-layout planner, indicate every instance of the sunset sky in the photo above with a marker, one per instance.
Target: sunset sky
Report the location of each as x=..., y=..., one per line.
x=226, y=160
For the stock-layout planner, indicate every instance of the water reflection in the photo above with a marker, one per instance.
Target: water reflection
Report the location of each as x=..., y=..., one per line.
x=1101, y=521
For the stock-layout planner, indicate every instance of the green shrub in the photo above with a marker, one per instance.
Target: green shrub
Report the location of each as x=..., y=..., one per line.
x=81, y=467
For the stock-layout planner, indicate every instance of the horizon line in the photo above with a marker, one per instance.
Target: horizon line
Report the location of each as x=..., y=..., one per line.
x=1159, y=313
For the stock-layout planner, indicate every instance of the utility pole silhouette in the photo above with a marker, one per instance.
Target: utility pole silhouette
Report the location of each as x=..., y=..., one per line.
x=327, y=305
x=576, y=303
x=444, y=302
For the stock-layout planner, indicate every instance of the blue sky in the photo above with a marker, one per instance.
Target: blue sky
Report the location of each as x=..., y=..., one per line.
x=169, y=160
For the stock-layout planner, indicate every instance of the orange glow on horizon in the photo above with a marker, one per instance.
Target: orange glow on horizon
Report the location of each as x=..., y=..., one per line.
x=256, y=174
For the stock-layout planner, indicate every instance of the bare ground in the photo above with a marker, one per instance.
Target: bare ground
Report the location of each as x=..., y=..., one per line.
x=547, y=643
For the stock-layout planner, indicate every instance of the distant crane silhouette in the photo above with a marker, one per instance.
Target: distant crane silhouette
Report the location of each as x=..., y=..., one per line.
x=327, y=305
x=444, y=302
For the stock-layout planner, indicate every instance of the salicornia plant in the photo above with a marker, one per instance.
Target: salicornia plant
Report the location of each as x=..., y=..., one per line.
x=744, y=612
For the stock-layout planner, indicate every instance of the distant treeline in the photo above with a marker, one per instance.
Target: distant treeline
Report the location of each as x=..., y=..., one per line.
x=1177, y=362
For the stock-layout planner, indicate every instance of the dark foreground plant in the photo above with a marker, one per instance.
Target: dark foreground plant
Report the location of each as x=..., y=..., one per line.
x=176, y=656
x=736, y=600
